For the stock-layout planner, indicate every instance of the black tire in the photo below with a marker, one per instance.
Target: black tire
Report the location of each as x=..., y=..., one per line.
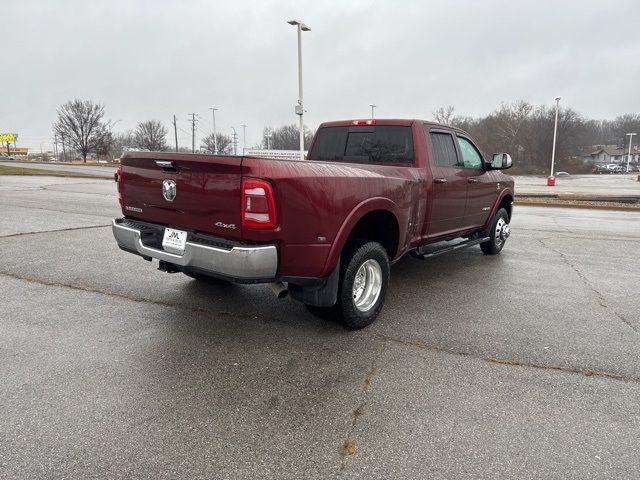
x=369, y=256
x=496, y=233
x=207, y=279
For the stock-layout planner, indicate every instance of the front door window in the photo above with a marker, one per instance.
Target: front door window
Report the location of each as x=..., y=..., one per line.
x=471, y=158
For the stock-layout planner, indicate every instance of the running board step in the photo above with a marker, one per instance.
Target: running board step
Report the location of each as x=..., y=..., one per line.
x=427, y=251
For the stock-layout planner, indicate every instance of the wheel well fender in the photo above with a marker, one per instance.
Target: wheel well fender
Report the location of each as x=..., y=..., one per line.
x=505, y=200
x=376, y=218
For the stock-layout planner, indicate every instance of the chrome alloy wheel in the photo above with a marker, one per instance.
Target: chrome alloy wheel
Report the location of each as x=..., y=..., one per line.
x=367, y=285
x=501, y=232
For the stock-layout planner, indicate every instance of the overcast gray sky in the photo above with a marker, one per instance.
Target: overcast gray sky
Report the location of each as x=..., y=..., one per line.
x=149, y=59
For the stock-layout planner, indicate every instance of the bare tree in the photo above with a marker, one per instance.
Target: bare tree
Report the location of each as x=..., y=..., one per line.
x=120, y=142
x=511, y=120
x=225, y=143
x=287, y=137
x=104, y=144
x=80, y=124
x=444, y=115
x=151, y=135
x=526, y=132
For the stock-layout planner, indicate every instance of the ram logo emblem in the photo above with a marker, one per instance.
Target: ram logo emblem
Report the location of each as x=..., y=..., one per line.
x=169, y=190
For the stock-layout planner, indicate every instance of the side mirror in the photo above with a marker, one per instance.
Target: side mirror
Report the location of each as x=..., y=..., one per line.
x=500, y=161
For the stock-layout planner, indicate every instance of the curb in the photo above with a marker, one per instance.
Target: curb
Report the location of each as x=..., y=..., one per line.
x=582, y=197
x=618, y=207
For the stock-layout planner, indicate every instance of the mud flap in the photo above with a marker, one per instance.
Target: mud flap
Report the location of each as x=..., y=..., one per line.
x=324, y=294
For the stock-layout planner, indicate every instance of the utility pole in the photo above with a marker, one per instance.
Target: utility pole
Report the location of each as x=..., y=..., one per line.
x=373, y=106
x=629, y=156
x=193, y=121
x=215, y=134
x=268, y=137
x=55, y=145
x=235, y=141
x=175, y=130
x=244, y=136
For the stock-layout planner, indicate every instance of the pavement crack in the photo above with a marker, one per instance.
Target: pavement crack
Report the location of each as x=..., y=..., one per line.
x=580, y=371
x=599, y=296
x=587, y=372
x=133, y=298
x=624, y=320
x=84, y=214
x=349, y=447
x=555, y=220
x=53, y=231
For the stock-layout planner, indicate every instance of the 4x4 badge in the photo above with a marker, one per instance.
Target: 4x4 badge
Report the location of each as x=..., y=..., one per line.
x=169, y=190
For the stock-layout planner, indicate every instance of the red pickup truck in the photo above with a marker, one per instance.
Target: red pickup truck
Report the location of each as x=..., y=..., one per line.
x=326, y=229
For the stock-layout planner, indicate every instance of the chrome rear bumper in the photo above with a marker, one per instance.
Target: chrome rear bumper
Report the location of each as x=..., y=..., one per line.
x=239, y=262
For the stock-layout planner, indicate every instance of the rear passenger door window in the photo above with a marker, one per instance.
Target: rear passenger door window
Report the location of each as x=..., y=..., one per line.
x=471, y=157
x=444, y=149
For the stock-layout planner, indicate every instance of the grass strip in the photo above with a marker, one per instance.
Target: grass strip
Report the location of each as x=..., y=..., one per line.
x=9, y=170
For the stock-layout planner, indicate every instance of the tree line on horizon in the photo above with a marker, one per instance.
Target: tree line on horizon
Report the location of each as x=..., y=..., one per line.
x=525, y=131
x=82, y=130
x=519, y=128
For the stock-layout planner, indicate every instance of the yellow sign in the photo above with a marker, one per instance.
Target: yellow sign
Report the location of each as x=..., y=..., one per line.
x=8, y=137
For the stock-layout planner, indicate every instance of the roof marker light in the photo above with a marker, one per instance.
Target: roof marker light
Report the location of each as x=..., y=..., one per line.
x=364, y=122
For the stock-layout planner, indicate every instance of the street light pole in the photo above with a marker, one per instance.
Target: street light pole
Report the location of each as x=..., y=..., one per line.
x=268, y=137
x=301, y=27
x=215, y=139
x=244, y=136
x=629, y=156
x=551, y=180
x=373, y=106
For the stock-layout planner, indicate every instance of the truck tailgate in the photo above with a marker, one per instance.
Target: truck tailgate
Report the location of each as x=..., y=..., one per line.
x=207, y=191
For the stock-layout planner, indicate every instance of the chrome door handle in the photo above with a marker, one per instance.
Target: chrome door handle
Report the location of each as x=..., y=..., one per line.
x=439, y=180
x=472, y=180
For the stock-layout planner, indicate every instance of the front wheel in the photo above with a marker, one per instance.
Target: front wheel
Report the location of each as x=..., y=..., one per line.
x=498, y=233
x=363, y=283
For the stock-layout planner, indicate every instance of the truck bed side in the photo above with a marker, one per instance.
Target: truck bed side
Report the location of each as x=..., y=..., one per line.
x=318, y=202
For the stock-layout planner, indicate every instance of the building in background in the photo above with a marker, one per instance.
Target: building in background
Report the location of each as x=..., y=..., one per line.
x=607, y=154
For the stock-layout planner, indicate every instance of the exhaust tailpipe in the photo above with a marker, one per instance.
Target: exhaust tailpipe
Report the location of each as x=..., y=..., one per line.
x=279, y=289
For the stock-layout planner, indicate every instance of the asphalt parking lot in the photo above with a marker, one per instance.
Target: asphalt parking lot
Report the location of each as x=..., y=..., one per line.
x=523, y=365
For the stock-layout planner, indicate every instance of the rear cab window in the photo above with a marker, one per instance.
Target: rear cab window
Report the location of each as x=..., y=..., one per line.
x=364, y=144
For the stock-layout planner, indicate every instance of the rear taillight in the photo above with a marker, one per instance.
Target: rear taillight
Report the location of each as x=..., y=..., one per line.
x=119, y=179
x=258, y=204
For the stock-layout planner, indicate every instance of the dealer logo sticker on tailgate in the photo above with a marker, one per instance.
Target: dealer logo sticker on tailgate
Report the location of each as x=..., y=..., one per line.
x=169, y=190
